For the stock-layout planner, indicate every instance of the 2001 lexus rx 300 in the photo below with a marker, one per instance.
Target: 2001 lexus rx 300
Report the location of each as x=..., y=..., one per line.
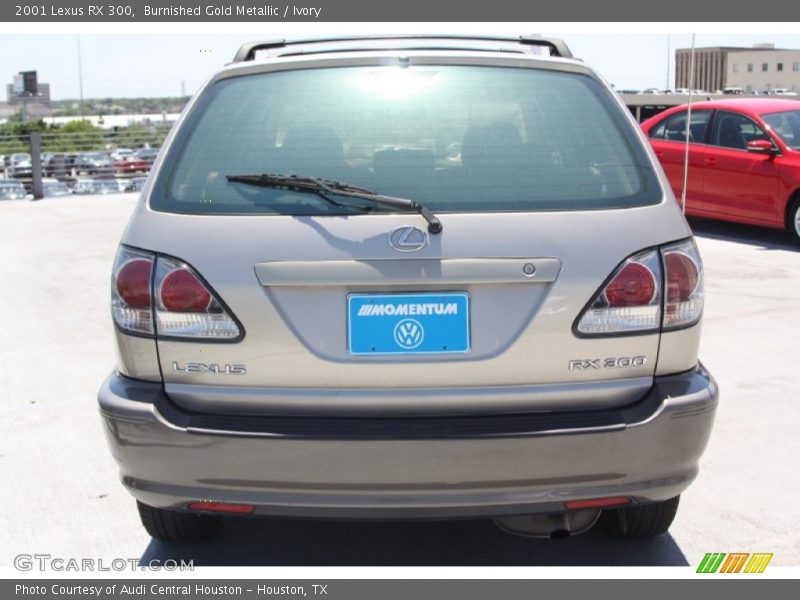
x=408, y=278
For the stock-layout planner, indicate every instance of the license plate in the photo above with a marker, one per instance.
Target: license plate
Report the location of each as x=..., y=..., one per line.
x=435, y=323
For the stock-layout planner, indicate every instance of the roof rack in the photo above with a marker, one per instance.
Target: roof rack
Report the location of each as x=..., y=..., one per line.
x=523, y=43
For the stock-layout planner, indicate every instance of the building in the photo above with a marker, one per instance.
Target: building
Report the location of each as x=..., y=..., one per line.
x=760, y=70
x=41, y=96
x=28, y=96
x=762, y=67
x=710, y=67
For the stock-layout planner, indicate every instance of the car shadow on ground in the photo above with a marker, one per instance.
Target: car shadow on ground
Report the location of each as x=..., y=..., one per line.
x=284, y=542
x=760, y=237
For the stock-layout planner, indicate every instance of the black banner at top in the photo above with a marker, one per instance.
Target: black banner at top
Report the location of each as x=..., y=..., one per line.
x=404, y=10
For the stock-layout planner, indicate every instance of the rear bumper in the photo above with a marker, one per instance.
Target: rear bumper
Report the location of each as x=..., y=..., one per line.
x=409, y=468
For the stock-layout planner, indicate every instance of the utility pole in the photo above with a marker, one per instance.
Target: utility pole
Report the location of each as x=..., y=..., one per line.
x=80, y=77
x=669, y=63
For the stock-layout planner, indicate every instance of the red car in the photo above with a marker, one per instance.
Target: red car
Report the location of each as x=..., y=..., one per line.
x=744, y=159
x=131, y=165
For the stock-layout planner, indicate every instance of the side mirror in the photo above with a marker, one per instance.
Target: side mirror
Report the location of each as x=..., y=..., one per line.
x=762, y=147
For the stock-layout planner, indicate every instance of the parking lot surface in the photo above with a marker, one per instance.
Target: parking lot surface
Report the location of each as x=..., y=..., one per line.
x=63, y=497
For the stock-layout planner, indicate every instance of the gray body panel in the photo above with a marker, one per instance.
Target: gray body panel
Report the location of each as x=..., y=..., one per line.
x=650, y=460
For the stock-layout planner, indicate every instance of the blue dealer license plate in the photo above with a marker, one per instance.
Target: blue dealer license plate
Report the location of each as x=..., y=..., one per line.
x=435, y=323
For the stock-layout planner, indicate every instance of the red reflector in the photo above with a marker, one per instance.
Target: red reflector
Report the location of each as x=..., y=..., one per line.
x=634, y=285
x=682, y=276
x=133, y=283
x=182, y=292
x=597, y=502
x=241, y=509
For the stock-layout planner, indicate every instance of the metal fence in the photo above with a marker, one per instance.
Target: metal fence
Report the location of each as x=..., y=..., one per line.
x=84, y=161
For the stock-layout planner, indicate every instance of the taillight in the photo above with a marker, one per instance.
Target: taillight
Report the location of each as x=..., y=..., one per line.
x=130, y=291
x=683, y=303
x=634, y=285
x=181, y=291
x=633, y=298
x=629, y=302
x=155, y=295
x=186, y=308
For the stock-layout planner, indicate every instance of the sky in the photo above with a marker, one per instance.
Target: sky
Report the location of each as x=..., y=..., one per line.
x=157, y=64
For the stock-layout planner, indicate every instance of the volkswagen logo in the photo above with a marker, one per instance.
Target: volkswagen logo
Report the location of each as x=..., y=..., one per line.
x=408, y=239
x=408, y=334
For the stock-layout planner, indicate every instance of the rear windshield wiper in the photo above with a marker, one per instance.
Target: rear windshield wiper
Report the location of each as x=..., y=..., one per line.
x=323, y=187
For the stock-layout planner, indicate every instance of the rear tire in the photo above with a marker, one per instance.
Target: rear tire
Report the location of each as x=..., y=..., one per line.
x=642, y=521
x=793, y=219
x=174, y=526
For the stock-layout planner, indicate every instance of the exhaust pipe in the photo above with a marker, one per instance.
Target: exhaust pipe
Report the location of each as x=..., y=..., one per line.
x=556, y=526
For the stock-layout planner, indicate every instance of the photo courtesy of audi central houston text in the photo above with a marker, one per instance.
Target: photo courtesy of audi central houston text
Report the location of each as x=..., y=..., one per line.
x=412, y=278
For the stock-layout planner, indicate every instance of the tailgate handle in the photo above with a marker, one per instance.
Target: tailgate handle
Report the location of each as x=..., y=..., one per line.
x=408, y=271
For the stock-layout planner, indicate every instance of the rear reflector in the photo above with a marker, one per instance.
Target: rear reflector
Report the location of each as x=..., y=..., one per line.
x=597, y=503
x=223, y=507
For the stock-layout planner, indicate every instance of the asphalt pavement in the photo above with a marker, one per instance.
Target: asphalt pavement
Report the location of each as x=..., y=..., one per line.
x=62, y=495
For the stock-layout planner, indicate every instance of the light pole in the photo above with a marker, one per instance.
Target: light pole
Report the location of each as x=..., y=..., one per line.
x=80, y=76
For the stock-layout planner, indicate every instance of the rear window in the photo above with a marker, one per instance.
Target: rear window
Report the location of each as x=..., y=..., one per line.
x=457, y=138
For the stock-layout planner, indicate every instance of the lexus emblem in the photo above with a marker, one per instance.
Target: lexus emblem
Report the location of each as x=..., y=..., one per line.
x=408, y=239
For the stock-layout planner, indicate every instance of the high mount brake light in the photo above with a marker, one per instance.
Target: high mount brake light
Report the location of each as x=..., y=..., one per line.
x=631, y=301
x=163, y=296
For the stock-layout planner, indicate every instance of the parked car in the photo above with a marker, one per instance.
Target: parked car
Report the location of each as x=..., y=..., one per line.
x=12, y=190
x=147, y=155
x=122, y=153
x=136, y=184
x=93, y=163
x=781, y=92
x=744, y=159
x=57, y=164
x=132, y=164
x=86, y=185
x=306, y=332
x=20, y=165
x=55, y=188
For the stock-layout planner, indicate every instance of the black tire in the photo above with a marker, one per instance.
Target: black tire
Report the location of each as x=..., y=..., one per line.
x=174, y=526
x=793, y=219
x=642, y=521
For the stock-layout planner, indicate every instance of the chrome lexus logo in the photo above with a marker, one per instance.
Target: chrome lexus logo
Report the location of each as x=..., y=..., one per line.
x=408, y=334
x=408, y=239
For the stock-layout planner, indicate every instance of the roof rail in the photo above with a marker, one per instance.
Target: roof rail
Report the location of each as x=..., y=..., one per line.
x=248, y=51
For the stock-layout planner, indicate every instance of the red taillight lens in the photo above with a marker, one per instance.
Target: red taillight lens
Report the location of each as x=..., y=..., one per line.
x=634, y=285
x=186, y=307
x=682, y=276
x=629, y=302
x=133, y=283
x=182, y=292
